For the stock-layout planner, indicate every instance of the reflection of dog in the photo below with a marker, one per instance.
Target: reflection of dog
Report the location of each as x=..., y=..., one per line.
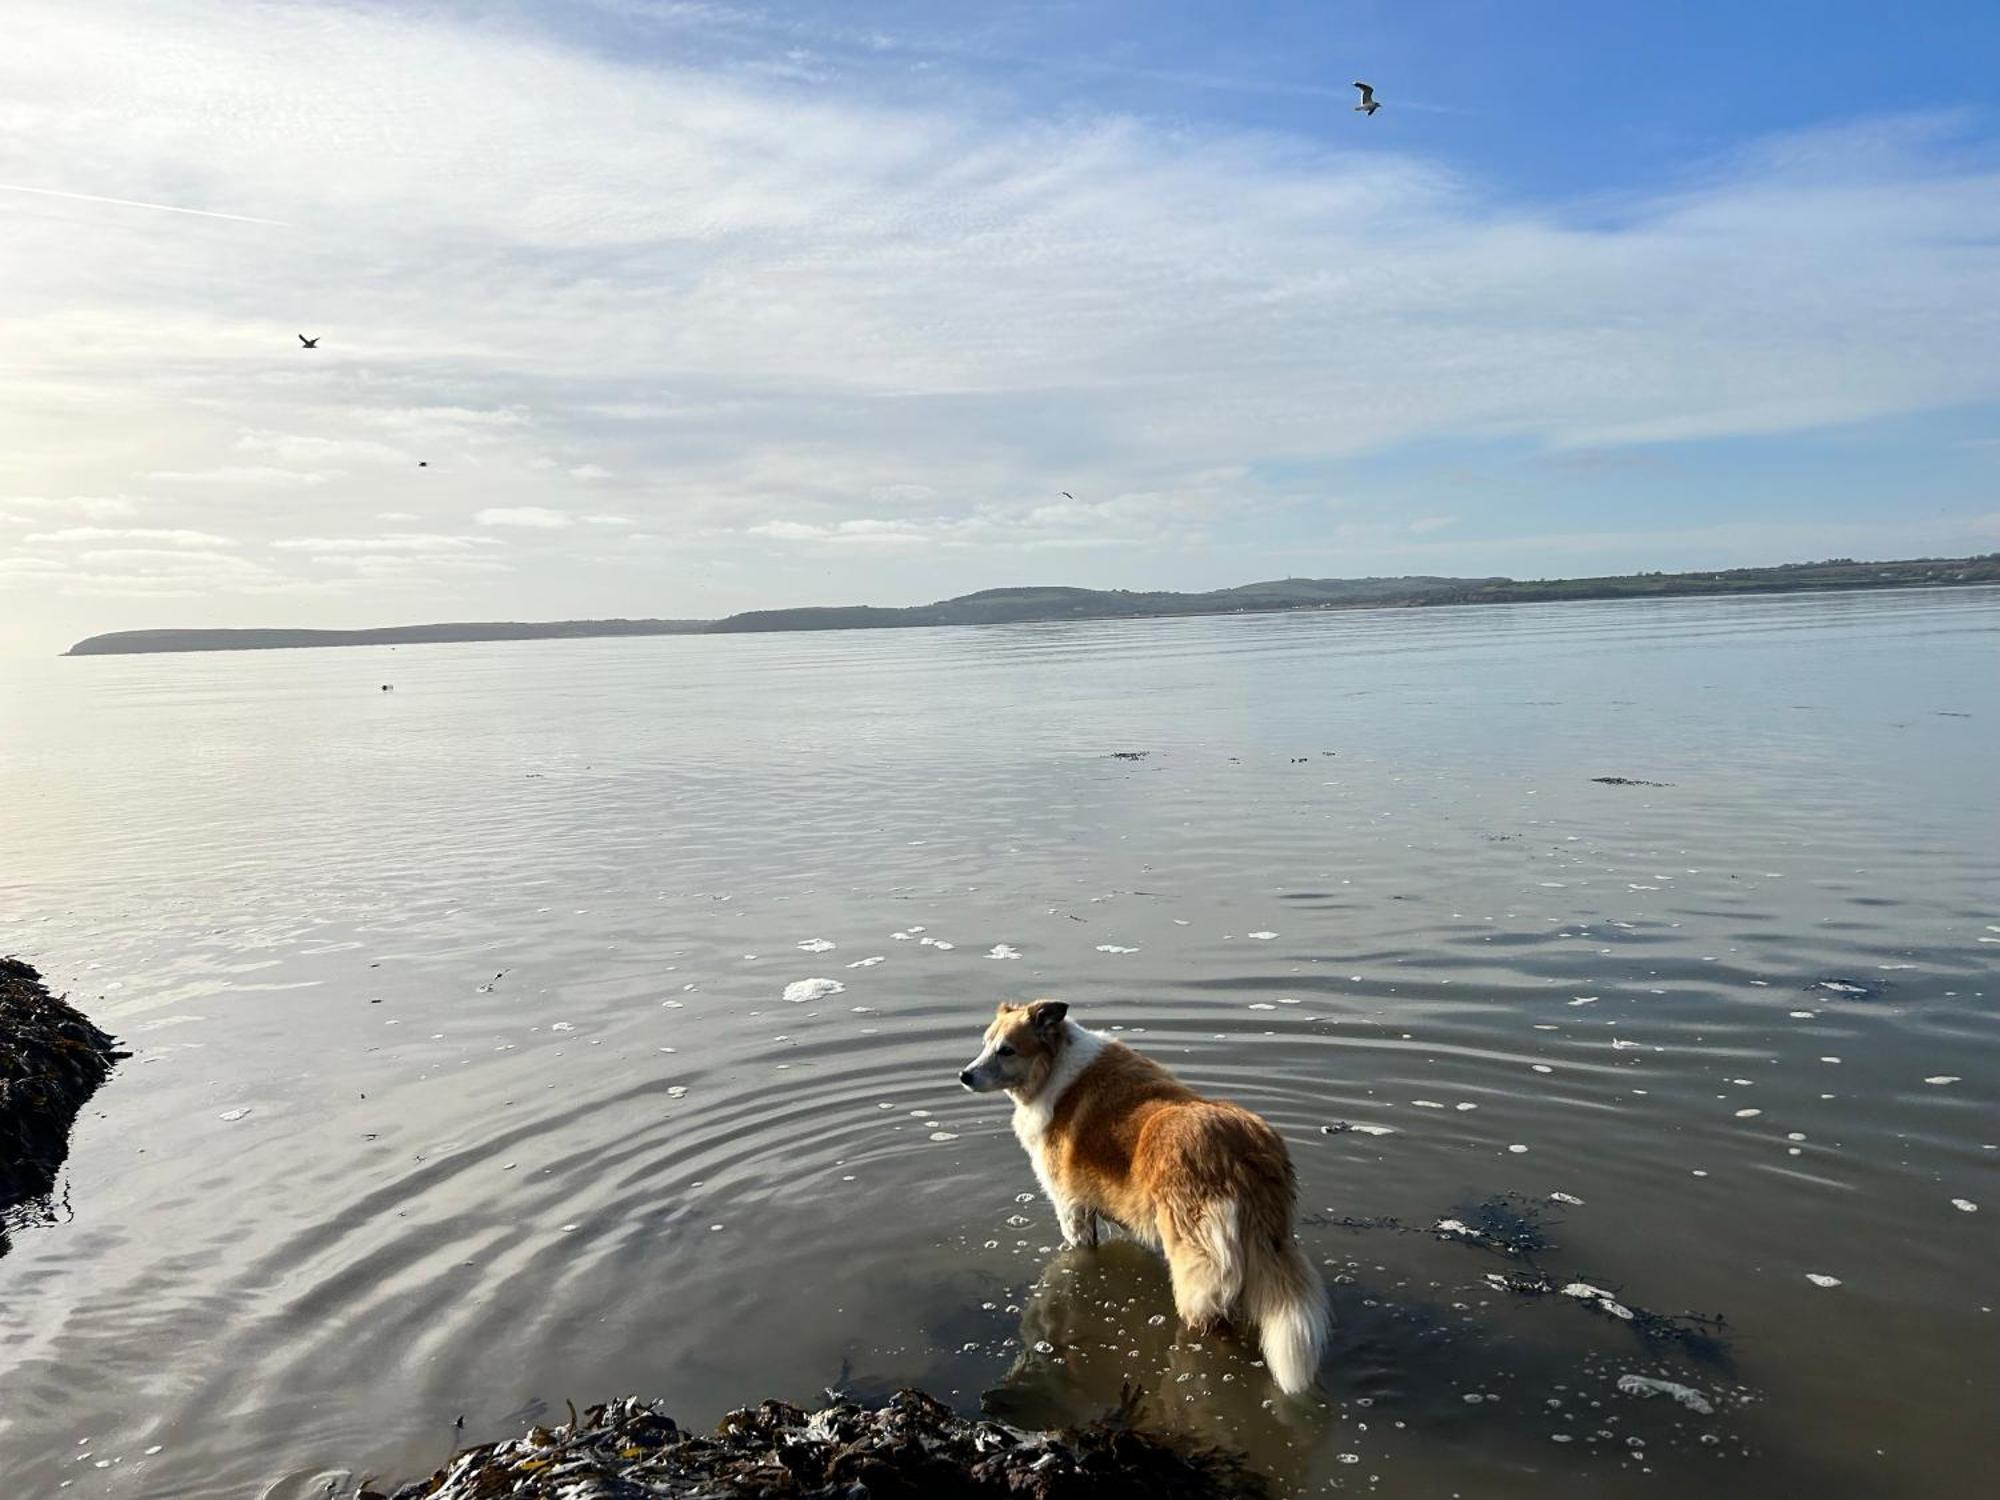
x=1113, y=1134
x=1092, y=1343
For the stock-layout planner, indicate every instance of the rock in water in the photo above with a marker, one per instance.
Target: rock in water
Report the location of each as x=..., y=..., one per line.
x=51, y=1061
x=912, y=1448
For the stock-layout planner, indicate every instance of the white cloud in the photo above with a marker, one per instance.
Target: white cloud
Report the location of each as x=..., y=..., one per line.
x=402, y=541
x=171, y=536
x=239, y=474
x=533, y=517
x=95, y=507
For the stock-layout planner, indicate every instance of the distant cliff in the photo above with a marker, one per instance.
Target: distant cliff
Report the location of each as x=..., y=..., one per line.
x=1017, y=605
x=124, y=642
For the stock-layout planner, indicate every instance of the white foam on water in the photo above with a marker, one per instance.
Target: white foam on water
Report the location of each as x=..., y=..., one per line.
x=800, y=991
x=1374, y=1129
x=1649, y=1386
x=1262, y=1005
x=1463, y=1107
x=866, y=963
x=1426, y=1104
x=1518, y=1150
x=943, y=1135
x=1583, y=1291
x=1262, y=937
x=1819, y=1279
x=1941, y=1079
x=1003, y=950
x=1748, y=1114
x=1114, y=948
x=232, y=1114
x=1584, y=1000
x=816, y=945
x=1569, y=1198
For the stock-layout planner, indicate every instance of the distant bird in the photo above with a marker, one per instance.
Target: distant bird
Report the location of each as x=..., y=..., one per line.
x=310, y=343
x=423, y=463
x=1367, y=106
x=1066, y=494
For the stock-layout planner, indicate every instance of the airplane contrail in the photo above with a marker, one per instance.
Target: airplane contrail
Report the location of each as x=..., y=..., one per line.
x=165, y=208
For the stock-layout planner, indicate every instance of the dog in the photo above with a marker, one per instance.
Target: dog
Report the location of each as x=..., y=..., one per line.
x=1113, y=1135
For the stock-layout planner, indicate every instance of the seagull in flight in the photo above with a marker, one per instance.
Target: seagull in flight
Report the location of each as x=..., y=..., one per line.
x=1066, y=494
x=1368, y=104
x=310, y=343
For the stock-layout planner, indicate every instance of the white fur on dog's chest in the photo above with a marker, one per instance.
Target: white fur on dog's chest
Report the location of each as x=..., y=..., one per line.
x=1080, y=1049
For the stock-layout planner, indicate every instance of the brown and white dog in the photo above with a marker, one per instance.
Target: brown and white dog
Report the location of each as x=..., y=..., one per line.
x=1114, y=1135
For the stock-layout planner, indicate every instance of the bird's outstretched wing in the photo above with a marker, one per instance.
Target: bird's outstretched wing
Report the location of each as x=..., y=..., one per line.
x=1367, y=91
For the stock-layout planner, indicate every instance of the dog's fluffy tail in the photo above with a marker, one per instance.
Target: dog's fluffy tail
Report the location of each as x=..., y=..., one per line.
x=1287, y=1301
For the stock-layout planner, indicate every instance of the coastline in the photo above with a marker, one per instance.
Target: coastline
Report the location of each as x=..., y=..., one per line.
x=1073, y=605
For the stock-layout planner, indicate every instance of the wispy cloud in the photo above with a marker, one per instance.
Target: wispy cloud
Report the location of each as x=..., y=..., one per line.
x=530, y=517
x=165, y=208
x=170, y=535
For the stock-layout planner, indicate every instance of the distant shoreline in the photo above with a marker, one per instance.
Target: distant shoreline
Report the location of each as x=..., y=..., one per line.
x=1030, y=605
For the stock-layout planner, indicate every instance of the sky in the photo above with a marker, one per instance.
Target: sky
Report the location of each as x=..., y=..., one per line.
x=650, y=308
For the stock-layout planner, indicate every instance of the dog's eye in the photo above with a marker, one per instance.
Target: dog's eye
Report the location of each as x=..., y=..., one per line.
x=1004, y=1050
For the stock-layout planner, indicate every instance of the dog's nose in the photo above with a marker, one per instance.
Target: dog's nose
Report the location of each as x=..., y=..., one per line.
x=965, y=1076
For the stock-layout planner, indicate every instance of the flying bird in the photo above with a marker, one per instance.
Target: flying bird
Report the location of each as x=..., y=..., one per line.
x=310, y=343
x=423, y=463
x=1066, y=494
x=1368, y=104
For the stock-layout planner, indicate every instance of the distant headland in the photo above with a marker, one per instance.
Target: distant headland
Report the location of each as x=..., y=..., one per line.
x=1023, y=605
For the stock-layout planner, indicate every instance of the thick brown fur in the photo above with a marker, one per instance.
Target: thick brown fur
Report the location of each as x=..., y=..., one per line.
x=1114, y=1135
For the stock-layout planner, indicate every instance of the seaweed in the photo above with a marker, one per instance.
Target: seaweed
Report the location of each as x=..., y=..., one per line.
x=912, y=1447
x=51, y=1061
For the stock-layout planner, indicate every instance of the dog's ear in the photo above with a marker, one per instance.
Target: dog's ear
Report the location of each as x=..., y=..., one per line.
x=1046, y=1016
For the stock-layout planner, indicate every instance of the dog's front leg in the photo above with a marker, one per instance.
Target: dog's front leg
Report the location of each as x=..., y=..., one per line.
x=1079, y=1224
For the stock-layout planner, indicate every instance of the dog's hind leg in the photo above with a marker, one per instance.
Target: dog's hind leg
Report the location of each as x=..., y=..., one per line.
x=1205, y=1260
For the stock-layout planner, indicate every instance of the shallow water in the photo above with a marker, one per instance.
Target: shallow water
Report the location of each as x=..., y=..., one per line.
x=465, y=1081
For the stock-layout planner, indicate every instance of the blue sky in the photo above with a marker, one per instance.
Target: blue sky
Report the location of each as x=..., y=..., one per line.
x=692, y=307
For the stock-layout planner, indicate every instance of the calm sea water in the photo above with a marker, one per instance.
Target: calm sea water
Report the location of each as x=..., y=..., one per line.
x=465, y=1082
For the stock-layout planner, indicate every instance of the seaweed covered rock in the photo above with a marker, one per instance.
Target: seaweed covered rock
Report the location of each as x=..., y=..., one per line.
x=51, y=1061
x=913, y=1448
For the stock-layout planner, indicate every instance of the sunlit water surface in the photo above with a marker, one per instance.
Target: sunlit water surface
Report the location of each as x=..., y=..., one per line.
x=464, y=1081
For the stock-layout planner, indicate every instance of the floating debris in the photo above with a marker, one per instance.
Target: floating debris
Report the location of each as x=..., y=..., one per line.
x=1965, y=1205
x=802, y=991
x=815, y=945
x=1597, y=1297
x=51, y=1061
x=1130, y=754
x=912, y=1446
x=1003, y=950
x=1854, y=989
x=1650, y=1386
x=1818, y=1278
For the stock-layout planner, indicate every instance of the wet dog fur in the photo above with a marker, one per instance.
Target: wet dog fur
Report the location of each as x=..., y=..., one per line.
x=1115, y=1136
